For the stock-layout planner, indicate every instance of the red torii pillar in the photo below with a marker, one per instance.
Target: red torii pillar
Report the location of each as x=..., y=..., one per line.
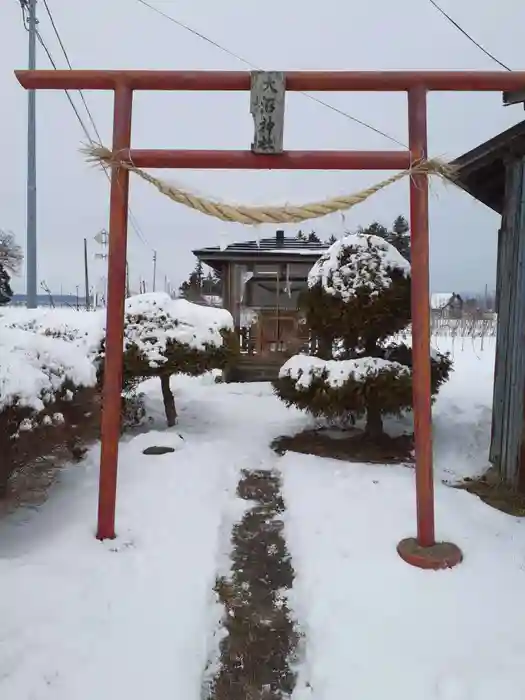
x=422, y=551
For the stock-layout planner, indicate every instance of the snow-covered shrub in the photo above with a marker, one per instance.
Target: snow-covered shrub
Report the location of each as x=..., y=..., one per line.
x=161, y=337
x=65, y=422
x=165, y=336
x=49, y=398
x=358, y=298
x=34, y=367
x=47, y=395
x=51, y=366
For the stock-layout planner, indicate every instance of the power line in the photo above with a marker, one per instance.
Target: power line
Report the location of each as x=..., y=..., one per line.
x=468, y=36
x=57, y=34
x=224, y=49
x=25, y=11
x=132, y=218
x=196, y=33
x=53, y=63
x=137, y=229
x=42, y=43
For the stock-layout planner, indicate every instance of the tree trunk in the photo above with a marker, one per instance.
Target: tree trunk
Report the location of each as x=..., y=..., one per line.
x=169, y=400
x=371, y=348
x=374, y=422
x=324, y=347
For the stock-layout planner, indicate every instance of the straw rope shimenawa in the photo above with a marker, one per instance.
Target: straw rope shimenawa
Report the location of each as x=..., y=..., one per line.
x=253, y=216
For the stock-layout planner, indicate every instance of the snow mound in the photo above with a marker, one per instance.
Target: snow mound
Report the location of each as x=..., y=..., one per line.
x=304, y=370
x=33, y=367
x=357, y=262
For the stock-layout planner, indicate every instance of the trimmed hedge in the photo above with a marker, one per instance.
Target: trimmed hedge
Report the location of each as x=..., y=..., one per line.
x=386, y=392
x=178, y=358
x=358, y=299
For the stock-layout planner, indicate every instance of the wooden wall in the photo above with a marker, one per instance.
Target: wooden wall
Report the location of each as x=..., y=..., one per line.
x=507, y=451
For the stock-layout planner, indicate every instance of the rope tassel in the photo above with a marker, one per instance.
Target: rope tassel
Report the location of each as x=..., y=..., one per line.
x=253, y=216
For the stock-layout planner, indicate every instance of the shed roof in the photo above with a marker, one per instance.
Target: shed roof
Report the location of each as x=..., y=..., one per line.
x=481, y=171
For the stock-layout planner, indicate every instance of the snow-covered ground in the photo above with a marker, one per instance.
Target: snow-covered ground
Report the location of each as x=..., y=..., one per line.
x=83, y=619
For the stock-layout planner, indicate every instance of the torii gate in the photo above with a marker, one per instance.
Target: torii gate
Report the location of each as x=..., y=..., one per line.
x=422, y=551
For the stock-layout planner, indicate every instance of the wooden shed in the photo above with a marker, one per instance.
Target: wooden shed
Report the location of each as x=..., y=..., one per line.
x=262, y=281
x=494, y=173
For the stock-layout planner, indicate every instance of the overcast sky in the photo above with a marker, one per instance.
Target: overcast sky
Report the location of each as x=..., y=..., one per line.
x=274, y=34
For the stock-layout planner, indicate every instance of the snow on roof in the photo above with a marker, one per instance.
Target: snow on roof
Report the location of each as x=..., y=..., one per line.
x=41, y=349
x=295, y=246
x=303, y=369
x=355, y=262
x=438, y=300
x=299, y=251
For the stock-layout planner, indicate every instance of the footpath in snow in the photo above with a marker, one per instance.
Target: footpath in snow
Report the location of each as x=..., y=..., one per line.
x=138, y=615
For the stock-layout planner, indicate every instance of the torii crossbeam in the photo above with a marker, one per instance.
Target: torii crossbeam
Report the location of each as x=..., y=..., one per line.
x=422, y=551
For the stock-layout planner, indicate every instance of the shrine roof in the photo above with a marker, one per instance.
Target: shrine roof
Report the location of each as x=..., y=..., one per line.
x=287, y=248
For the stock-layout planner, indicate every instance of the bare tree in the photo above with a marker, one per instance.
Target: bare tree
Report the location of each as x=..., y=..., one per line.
x=11, y=255
x=47, y=290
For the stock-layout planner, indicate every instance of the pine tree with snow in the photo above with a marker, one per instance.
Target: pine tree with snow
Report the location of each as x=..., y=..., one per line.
x=6, y=293
x=357, y=302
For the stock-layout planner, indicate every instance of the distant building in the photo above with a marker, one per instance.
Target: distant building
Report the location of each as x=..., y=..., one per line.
x=439, y=300
x=446, y=303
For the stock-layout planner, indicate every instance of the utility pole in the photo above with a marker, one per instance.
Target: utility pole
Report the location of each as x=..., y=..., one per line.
x=86, y=275
x=31, y=267
x=154, y=269
x=102, y=238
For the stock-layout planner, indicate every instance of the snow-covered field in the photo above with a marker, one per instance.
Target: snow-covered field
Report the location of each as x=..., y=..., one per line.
x=135, y=617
